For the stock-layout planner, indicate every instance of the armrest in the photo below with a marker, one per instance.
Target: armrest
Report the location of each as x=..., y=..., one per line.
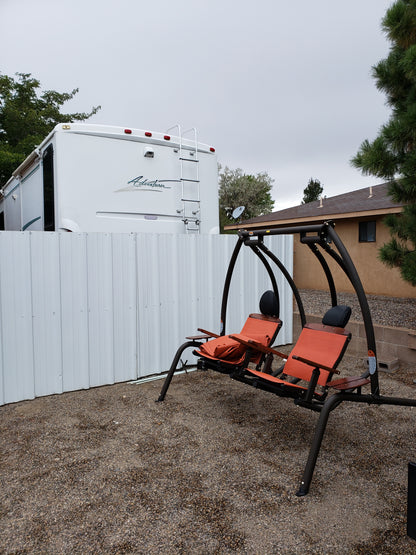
x=198, y=337
x=251, y=344
x=209, y=333
x=316, y=364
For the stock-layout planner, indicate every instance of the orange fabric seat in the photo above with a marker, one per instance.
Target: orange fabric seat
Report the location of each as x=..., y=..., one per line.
x=273, y=379
x=321, y=346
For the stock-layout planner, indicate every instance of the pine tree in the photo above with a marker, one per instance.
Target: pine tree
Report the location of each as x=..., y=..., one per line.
x=312, y=191
x=392, y=155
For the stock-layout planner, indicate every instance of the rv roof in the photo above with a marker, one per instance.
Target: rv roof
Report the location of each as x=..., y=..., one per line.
x=188, y=139
x=182, y=139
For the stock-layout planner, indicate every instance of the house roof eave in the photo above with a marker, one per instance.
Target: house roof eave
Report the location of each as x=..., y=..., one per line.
x=311, y=220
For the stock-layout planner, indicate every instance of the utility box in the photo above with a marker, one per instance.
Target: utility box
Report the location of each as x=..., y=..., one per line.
x=411, y=501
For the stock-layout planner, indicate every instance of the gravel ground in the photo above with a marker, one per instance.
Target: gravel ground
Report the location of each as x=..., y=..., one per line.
x=385, y=311
x=213, y=469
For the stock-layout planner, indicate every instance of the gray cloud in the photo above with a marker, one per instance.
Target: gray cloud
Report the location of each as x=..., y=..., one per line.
x=280, y=87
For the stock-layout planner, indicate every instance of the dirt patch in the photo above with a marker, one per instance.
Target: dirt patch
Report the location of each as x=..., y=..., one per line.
x=213, y=469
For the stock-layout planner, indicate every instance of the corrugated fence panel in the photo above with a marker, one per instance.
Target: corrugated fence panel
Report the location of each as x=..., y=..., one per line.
x=16, y=317
x=85, y=309
x=150, y=339
x=171, y=293
x=46, y=313
x=100, y=308
x=171, y=314
x=124, y=307
x=74, y=311
x=210, y=274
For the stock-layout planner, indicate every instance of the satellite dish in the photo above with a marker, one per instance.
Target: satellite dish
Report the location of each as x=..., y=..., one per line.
x=238, y=211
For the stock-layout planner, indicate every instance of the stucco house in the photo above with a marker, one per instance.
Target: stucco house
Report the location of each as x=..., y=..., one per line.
x=358, y=217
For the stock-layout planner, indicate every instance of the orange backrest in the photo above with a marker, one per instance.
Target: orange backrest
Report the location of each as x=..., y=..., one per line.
x=319, y=346
x=258, y=325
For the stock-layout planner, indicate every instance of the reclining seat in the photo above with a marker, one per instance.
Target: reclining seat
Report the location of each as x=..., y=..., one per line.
x=225, y=354
x=313, y=360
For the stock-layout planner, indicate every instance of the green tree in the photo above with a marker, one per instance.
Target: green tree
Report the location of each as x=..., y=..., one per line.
x=313, y=191
x=392, y=155
x=26, y=118
x=240, y=189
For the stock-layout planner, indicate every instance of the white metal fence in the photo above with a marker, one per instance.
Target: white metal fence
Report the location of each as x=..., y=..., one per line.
x=79, y=310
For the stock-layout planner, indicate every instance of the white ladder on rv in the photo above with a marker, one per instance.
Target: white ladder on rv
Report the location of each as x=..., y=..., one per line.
x=189, y=178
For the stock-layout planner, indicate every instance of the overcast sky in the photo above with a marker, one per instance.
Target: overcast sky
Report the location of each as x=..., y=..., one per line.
x=276, y=86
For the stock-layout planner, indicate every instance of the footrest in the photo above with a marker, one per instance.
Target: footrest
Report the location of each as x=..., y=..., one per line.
x=352, y=382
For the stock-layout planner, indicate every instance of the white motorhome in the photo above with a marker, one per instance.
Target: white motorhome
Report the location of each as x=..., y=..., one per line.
x=86, y=177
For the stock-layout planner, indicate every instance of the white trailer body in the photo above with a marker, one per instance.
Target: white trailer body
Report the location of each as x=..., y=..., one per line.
x=86, y=177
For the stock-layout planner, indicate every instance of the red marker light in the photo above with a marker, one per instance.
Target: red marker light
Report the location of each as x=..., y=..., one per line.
x=148, y=134
x=212, y=149
x=127, y=131
x=167, y=137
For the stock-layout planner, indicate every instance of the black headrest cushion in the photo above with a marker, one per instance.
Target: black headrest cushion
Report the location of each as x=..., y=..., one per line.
x=269, y=304
x=337, y=316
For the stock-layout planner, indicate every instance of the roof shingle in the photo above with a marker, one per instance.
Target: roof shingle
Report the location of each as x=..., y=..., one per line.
x=369, y=199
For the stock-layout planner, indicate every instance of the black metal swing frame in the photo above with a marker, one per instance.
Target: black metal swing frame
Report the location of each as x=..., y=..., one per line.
x=325, y=237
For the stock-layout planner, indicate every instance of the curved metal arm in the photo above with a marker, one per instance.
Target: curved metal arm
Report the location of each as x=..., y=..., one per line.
x=227, y=283
x=271, y=275
x=354, y=278
x=327, y=271
x=289, y=279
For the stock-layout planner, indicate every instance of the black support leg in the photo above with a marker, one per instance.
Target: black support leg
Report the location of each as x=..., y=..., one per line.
x=329, y=405
x=174, y=364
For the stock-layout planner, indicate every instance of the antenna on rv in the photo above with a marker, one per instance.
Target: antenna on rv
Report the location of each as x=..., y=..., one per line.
x=237, y=212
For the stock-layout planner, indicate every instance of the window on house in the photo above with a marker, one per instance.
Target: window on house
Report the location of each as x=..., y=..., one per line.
x=367, y=232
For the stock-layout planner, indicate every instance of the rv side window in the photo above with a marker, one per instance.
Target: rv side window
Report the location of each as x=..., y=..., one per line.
x=1, y=221
x=48, y=190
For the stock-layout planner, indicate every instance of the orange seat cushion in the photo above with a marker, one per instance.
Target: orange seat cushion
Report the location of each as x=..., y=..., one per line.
x=225, y=348
x=319, y=346
x=257, y=328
